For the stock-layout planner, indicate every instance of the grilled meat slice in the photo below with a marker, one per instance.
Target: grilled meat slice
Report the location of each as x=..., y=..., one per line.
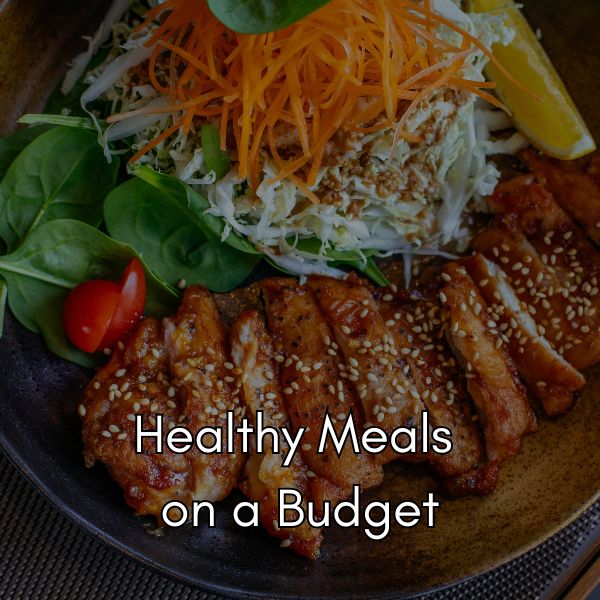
x=136, y=381
x=313, y=386
x=576, y=191
x=549, y=377
x=569, y=257
x=492, y=378
x=370, y=357
x=198, y=348
x=415, y=321
x=264, y=475
x=535, y=283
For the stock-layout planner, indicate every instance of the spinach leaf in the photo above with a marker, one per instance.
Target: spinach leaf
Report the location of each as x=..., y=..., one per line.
x=12, y=145
x=61, y=174
x=53, y=259
x=262, y=16
x=3, y=290
x=184, y=195
x=165, y=224
x=215, y=159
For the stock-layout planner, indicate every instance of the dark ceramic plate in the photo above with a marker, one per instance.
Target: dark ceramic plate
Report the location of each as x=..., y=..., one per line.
x=554, y=478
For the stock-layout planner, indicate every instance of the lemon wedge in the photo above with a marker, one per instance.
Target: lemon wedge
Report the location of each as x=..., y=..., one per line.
x=551, y=121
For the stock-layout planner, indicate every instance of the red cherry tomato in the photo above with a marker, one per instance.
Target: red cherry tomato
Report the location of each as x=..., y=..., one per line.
x=131, y=304
x=98, y=313
x=87, y=312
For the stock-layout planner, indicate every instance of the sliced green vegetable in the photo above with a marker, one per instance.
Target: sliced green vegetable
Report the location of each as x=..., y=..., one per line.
x=12, y=145
x=63, y=120
x=3, y=294
x=262, y=16
x=165, y=224
x=61, y=174
x=215, y=159
x=55, y=258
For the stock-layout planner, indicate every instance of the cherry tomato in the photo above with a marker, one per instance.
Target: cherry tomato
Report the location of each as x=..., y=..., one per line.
x=131, y=304
x=88, y=311
x=98, y=313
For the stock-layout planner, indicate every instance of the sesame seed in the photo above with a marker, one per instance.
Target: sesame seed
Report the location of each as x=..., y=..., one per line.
x=96, y=385
x=120, y=372
x=181, y=284
x=155, y=353
x=363, y=314
x=106, y=434
x=286, y=543
x=388, y=298
x=81, y=410
x=345, y=329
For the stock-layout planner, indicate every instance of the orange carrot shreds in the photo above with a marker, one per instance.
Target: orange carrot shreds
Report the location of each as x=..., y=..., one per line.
x=353, y=65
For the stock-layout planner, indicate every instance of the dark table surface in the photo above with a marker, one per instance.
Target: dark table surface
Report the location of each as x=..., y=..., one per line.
x=43, y=555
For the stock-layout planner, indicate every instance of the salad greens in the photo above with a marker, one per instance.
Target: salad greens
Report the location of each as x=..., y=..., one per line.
x=67, y=215
x=164, y=220
x=61, y=174
x=215, y=159
x=12, y=145
x=262, y=16
x=53, y=259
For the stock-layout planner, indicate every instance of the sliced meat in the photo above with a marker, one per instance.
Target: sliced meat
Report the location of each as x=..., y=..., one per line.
x=370, y=358
x=567, y=296
x=264, y=475
x=136, y=381
x=314, y=386
x=199, y=351
x=577, y=192
x=492, y=377
x=415, y=321
x=549, y=377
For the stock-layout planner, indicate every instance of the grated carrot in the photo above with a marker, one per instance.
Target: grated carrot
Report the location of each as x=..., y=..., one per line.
x=353, y=65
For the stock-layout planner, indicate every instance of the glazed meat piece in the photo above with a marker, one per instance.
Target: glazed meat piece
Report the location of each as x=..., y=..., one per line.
x=549, y=377
x=370, y=358
x=314, y=386
x=492, y=378
x=537, y=287
x=264, y=475
x=577, y=192
x=416, y=322
x=566, y=299
x=199, y=353
x=136, y=381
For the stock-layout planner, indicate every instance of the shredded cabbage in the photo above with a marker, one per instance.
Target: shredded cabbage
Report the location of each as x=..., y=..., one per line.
x=407, y=199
